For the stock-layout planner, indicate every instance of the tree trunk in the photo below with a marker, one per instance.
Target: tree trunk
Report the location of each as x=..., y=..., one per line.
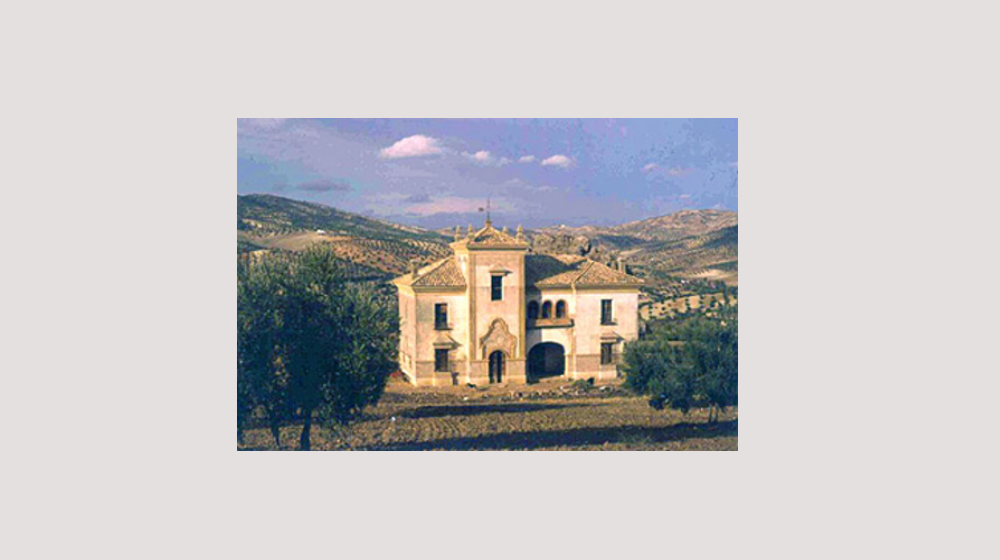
x=306, y=428
x=276, y=432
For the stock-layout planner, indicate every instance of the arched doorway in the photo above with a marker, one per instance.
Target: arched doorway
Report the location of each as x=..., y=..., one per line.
x=546, y=360
x=498, y=364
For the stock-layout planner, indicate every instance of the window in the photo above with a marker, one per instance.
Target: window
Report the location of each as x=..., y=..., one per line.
x=441, y=361
x=497, y=288
x=607, y=353
x=441, y=316
x=533, y=310
x=547, y=310
x=561, y=310
x=606, y=318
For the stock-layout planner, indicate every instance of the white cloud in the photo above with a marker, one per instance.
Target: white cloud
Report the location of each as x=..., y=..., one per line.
x=485, y=158
x=413, y=146
x=679, y=172
x=527, y=159
x=558, y=161
x=649, y=167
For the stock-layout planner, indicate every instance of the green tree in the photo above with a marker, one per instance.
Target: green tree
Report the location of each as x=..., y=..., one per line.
x=310, y=344
x=682, y=365
x=261, y=379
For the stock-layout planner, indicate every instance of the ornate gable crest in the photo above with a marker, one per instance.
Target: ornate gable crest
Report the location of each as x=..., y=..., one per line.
x=498, y=338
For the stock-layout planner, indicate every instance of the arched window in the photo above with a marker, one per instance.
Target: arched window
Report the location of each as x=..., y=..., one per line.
x=533, y=310
x=561, y=310
x=547, y=310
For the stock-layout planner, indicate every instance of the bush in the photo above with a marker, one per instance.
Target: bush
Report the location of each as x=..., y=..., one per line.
x=583, y=384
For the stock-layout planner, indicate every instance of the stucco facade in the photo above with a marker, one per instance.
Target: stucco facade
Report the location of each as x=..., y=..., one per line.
x=495, y=313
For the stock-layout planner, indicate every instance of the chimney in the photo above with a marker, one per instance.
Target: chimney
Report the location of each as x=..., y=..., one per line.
x=414, y=266
x=621, y=264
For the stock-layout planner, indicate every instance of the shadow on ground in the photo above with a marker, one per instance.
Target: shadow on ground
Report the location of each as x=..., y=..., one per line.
x=435, y=411
x=580, y=437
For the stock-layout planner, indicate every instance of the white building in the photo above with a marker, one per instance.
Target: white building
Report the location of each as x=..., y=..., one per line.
x=493, y=313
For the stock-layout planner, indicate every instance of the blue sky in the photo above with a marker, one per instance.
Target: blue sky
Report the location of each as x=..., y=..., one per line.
x=436, y=173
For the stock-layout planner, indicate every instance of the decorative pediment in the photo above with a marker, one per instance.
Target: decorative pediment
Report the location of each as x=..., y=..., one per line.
x=498, y=337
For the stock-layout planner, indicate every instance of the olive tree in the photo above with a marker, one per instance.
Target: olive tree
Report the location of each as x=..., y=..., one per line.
x=311, y=344
x=261, y=379
x=680, y=366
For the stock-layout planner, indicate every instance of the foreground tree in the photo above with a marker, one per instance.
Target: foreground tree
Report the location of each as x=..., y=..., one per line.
x=261, y=378
x=695, y=361
x=330, y=342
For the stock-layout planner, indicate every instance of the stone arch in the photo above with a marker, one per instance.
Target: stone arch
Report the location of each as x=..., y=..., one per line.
x=547, y=310
x=498, y=338
x=498, y=366
x=561, y=309
x=547, y=359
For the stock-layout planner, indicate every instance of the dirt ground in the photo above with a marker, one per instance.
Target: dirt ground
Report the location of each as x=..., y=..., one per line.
x=552, y=415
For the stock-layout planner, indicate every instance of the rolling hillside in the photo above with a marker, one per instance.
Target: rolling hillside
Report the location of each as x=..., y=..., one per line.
x=688, y=245
x=371, y=249
x=692, y=244
x=268, y=214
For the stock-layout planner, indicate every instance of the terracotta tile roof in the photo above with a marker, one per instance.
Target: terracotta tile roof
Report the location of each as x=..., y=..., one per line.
x=601, y=274
x=563, y=270
x=444, y=273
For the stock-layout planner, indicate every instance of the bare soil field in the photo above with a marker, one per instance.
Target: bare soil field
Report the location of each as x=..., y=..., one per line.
x=552, y=415
x=731, y=278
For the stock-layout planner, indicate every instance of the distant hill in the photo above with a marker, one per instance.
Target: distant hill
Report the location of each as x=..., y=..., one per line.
x=371, y=249
x=686, y=223
x=693, y=244
x=711, y=256
x=263, y=213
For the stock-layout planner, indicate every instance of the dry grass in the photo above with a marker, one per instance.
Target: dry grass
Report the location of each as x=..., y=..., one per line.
x=543, y=417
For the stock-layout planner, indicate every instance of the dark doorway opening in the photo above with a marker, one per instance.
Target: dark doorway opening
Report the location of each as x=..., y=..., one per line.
x=546, y=360
x=497, y=365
